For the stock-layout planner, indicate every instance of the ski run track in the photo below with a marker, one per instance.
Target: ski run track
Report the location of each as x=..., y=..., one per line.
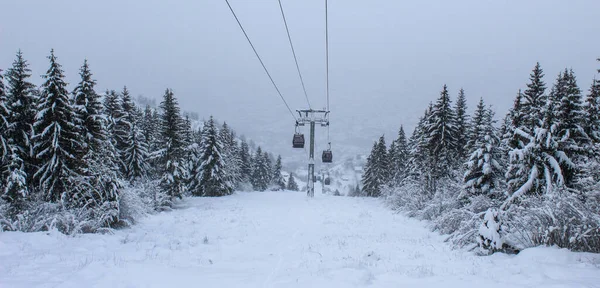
x=278, y=239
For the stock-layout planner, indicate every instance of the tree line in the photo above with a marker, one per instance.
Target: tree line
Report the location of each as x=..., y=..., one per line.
x=535, y=174
x=79, y=152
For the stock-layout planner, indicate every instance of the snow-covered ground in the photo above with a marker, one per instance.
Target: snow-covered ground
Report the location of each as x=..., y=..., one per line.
x=278, y=239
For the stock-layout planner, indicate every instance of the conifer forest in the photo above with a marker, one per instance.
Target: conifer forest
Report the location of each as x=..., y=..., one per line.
x=299, y=144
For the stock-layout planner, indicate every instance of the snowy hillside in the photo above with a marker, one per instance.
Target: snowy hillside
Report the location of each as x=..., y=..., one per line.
x=278, y=239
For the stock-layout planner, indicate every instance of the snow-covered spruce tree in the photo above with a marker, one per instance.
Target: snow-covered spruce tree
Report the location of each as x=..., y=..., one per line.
x=231, y=154
x=399, y=158
x=136, y=155
x=14, y=182
x=269, y=167
x=483, y=170
x=534, y=101
x=478, y=125
x=57, y=140
x=375, y=172
x=4, y=123
x=149, y=128
x=172, y=147
x=570, y=119
x=245, y=162
x=89, y=110
x=514, y=119
x=277, y=178
x=129, y=108
x=419, y=151
x=441, y=135
x=292, y=185
x=210, y=177
x=462, y=127
x=21, y=101
x=261, y=174
x=535, y=168
x=592, y=111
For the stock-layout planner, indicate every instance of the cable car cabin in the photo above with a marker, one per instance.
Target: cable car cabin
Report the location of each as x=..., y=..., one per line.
x=327, y=181
x=298, y=141
x=327, y=156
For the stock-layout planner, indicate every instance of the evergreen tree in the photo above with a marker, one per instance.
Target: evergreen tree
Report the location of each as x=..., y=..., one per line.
x=419, y=150
x=210, y=177
x=483, y=170
x=149, y=128
x=462, y=126
x=534, y=100
x=57, y=142
x=172, y=147
x=382, y=162
x=370, y=179
x=21, y=102
x=570, y=132
x=516, y=119
x=14, y=182
x=230, y=154
x=245, y=162
x=592, y=127
x=136, y=155
x=441, y=135
x=292, y=185
x=4, y=123
x=277, y=177
x=261, y=174
x=400, y=158
x=129, y=109
x=535, y=167
x=89, y=111
x=479, y=125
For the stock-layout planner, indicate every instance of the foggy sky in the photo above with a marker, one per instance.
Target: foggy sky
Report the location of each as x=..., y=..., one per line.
x=388, y=58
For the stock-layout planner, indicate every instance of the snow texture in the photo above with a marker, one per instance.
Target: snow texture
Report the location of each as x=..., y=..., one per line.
x=278, y=239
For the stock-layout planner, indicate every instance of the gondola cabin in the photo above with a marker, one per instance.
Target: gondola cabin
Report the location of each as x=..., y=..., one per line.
x=327, y=156
x=298, y=141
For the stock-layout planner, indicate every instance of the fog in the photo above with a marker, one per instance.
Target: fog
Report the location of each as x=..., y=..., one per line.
x=388, y=58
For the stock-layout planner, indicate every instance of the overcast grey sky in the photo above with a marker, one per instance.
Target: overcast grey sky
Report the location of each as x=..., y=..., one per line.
x=389, y=58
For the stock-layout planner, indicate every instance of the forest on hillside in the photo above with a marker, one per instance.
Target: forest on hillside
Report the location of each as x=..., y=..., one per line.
x=532, y=179
x=82, y=161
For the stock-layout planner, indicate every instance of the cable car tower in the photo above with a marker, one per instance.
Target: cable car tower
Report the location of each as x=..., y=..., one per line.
x=312, y=118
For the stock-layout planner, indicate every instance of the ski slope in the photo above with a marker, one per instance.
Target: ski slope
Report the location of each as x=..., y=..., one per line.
x=278, y=239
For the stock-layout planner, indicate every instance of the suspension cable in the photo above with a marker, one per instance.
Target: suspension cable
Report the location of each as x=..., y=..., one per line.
x=327, y=63
x=294, y=53
x=261, y=62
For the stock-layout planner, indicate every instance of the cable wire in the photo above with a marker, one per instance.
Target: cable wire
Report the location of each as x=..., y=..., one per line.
x=294, y=53
x=327, y=62
x=261, y=62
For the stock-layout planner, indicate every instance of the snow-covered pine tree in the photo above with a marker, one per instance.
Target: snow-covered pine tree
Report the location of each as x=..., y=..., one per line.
x=136, y=155
x=483, y=170
x=534, y=101
x=210, y=176
x=371, y=179
x=14, y=181
x=57, y=140
x=291, y=183
x=149, y=128
x=5, y=115
x=129, y=109
x=478, y=125
x=570, y=117
x=21, y=101
x=592, y=109
x=172, y=147
x=382, y=162
x=261, y=174
x=535, y=168
x=89, y=111
x=418, y=150
x=400, y=158
x=231, y=154
x=441, y=135
x=245, y=162
x=277, y=178
x=515, y=119
x=462, y=127
x=268, y=167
